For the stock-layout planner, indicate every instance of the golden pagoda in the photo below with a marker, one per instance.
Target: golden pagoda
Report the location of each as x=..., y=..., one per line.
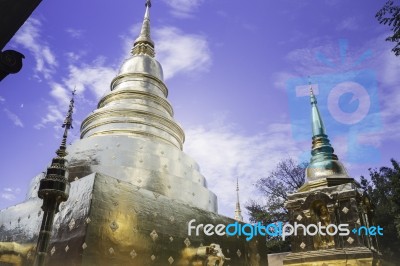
x=133, y=190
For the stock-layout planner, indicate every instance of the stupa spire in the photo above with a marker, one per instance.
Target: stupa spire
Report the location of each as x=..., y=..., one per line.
x=238, y=212
x=318, y=127
x=54, y=189
x=144, y=44
x=67, y=125
x=323, y=162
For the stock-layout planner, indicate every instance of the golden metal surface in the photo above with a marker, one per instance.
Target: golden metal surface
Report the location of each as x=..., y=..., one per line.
x=16, y=254
x=136, y=94
x=110, y=222
x=147, y=81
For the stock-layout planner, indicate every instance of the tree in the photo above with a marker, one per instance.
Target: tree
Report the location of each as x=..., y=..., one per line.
x=390, y=14
x=287, y=177
x=383, y=188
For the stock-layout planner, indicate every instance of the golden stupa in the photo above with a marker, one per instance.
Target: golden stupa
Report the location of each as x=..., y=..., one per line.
x=133, y=190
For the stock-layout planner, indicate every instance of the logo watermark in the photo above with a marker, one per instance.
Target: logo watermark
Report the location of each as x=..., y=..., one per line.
x=279, y=229
x=348, y=102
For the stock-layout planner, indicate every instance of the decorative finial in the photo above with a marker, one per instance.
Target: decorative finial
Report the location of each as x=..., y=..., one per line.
x=144, y=45
x=313, y=98
x=67, y=125
x=311, y=89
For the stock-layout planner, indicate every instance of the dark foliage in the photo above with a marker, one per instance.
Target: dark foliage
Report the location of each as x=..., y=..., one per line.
x=389, y=15
x=287, y=177
x=384, y=190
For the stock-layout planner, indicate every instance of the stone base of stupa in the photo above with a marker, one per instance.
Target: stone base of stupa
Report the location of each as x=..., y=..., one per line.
x=110, y=222
x=344, y=203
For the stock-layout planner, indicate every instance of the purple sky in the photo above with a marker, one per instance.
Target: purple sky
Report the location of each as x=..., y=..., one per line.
x=229, y=66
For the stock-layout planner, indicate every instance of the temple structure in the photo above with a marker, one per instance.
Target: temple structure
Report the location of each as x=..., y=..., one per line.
x=133, y=189
x=330, y=196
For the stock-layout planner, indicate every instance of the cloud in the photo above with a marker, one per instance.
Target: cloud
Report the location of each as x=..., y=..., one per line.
x=53, y=116
x=29, y=37
x=9, y=193
x=181, y=53
x=14, y=118
x=74, y=33
x=348, y=24
x=73, y=57
x=304, y=60
x=281, y=78
x=390, y=68
x=96, y=77
x=93, y=77
x=249, y=158
x=386, y=66
x=7, y=196
x=183, y=8
x=60, y=94
x=2, y=99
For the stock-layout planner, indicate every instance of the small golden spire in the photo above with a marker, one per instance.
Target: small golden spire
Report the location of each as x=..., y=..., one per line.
x=238, y=212
x=144, y=45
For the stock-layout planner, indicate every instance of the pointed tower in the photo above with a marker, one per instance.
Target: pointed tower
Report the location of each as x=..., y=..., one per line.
x=144, y=44
x=54, y=189
x=134, y=192
x=238, y=212
x=324, y=169
x=329, y=198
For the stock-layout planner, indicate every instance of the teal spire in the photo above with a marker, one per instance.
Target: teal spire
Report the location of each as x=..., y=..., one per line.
x=324, y=163
x=318, y=127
